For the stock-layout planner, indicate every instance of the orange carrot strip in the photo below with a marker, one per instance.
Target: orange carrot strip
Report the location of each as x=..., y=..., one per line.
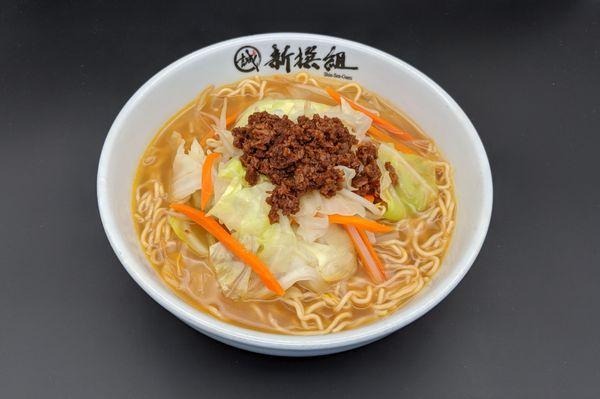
x=363, y=253
x=207, y=186
x=214, y=228
x=378, y=120
x=359, y=222
x=231, y=118
x=371, y=250
x=378, y=134
x=334, y=94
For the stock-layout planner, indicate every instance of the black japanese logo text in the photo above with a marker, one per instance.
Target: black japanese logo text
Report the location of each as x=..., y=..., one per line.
x=247, y=59
x=286, y=57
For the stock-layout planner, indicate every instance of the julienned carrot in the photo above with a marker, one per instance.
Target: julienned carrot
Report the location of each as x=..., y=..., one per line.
x=334, y=94
x=378, y=120
x=371, y=250
x=214, y=228
x=231, y=118
x=207, y=186
x=359, y=222
x=364, y=254
x=378, y=134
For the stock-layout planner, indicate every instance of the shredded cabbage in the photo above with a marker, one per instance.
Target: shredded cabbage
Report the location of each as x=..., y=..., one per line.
x=282, y=250
x=368, y=205
x=416, y=183
x=336, y=258
x=187, y=170
x=226, y=174
x=191, y=234
x=349, y=174
x=311, y=226
x=357, y=122
x=240, y=207
x=232, y=274
x=290, y=257
x=290, y=107
x=224, y=145
x=345, y=202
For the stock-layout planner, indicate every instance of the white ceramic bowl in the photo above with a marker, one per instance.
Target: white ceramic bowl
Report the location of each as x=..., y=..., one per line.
x=423, y=100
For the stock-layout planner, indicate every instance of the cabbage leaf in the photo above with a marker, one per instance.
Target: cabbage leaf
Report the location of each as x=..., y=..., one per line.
x=284, y=253
x=311, y=225
x=290, y=107
x=232, y=274
x=187, y=170
x=336, y=258
x=191, y=234
x=416, y=187
x=242, y=208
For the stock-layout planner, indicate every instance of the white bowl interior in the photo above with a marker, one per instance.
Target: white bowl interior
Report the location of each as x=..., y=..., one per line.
x=416, y=95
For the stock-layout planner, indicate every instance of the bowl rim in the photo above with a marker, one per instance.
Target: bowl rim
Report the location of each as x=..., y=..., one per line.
x=273, y=341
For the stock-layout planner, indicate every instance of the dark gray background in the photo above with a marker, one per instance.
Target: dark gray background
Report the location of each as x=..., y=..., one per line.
x=523, y=323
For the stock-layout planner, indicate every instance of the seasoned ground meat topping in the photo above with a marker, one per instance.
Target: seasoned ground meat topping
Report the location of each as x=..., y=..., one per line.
x=300, y=157
x=368, y=177
x=393, y=175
